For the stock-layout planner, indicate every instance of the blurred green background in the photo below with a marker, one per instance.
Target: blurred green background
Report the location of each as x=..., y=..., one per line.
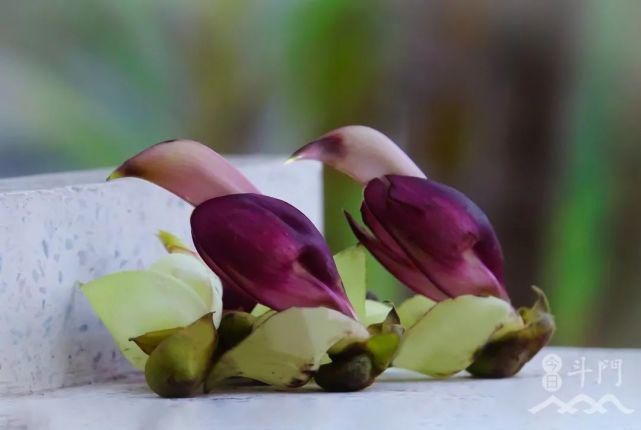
x=531, y=108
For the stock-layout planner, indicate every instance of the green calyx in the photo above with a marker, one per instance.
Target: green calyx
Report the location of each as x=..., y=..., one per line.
x=285, y=349
x=179, y=363
x=149, y=341
x=234, y=327
x=356, y=365
x=505, y=355
x=352, y=373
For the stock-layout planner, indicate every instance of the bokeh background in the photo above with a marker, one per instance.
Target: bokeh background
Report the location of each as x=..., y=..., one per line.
x=532, y=108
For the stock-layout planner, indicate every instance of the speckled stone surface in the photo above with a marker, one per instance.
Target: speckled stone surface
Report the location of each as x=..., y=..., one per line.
x=57, y=231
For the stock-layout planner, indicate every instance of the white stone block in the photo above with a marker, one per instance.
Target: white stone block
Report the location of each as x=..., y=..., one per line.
x=58, y=231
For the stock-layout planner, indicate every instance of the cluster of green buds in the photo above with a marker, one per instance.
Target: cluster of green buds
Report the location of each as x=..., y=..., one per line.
x=261, y=298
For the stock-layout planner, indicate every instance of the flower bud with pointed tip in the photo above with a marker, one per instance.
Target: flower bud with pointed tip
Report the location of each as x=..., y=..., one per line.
x=431, y=237
x=195, y=173
x=269, y=250
x=262, y=249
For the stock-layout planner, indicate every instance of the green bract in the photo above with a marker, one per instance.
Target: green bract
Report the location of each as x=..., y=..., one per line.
x=375, y=312
x=149, y=341
x=178, y=364
x=444, y=341
x=352, y=270
x=520, y=339
x=286, y=349
x=145, y=309
x=175, y=291
x=197, y=276
x=134, y=303
x=412, y=309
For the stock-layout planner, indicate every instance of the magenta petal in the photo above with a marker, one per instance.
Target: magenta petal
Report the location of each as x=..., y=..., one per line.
x=398, y=265
x=443, y=232
x=379, y=231
x=234, y=298
x=449, y=206
x=269, y=250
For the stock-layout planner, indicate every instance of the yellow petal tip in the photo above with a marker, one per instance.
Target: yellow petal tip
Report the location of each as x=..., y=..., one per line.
x=116, y=174
x=173, y=244
x=170, y=242
x=291, y=159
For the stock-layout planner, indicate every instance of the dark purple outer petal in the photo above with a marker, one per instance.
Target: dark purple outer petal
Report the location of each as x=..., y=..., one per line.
x=269, y=250
x=449, y=240
x=396, y=263
x=236, y=300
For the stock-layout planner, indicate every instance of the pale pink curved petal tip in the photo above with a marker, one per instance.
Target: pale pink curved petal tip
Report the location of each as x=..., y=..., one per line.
x=360, y=152
x=188, y=169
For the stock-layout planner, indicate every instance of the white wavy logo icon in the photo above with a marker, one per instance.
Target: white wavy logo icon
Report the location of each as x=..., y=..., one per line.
x=592, y=406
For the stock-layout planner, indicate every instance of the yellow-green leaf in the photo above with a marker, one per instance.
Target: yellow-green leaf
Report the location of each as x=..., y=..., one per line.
x=444, y=341
x=287, y=348
x=260, y=310
x=351, y=264
x=517, y=342
x=194, y=273
x=375, y=312
x=412, y=309
x=137, y=302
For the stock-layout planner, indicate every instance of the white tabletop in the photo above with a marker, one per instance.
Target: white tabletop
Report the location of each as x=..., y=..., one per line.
x=398, y=400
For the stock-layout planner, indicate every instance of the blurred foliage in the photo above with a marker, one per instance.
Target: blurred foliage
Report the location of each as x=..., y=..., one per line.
x=531, y=108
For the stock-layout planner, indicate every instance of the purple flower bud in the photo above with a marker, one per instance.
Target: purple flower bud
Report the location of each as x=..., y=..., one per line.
x=268, y=250
x=431, y=237
x=263, y=249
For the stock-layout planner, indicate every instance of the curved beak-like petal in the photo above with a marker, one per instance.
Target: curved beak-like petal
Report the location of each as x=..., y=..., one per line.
x=188, y=169
x=450, y=243
x=360, y=152
x=269, y=250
